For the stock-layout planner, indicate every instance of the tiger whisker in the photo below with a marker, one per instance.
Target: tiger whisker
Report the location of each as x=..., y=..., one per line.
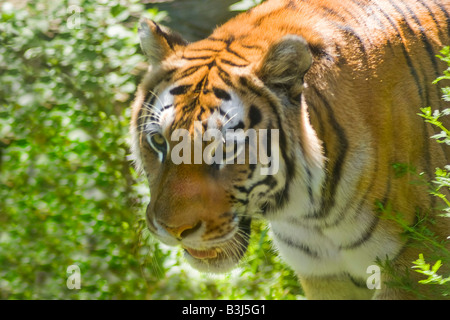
x=231, y=118
x=152, y=112
x=157, y=97
x=226, y=113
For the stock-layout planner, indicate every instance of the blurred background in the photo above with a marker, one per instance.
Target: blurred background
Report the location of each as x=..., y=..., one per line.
x=69, y=195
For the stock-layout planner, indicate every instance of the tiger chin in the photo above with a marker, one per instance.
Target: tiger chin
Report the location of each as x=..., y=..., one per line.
x=296, y=112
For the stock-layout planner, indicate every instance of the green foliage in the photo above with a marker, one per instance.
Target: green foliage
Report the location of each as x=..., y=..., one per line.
x=433, y=277
x=417, y=234
x=244, y=5
x=68, y=193
x=400, y=279
x=420, y=232
x=65, y=187
x=445, y=56
x=441, y=182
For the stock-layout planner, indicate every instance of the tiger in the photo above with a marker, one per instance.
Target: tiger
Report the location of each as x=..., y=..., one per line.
x=339, y=83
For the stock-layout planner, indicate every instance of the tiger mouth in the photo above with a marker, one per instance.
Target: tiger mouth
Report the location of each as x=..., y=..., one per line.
x=203, y=254
x=223, y=257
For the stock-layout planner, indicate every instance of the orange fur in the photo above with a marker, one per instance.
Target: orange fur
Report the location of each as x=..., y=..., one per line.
x=343, y=81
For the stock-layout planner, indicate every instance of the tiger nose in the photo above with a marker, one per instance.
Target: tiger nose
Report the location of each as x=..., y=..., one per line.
x=183, y=231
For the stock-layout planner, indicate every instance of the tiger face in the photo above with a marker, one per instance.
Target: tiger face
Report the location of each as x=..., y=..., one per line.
x=296, y=111
x=207, y=133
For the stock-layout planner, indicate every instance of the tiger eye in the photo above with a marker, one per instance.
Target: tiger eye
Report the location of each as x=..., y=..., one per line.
x=158, y=143
x=158, y=139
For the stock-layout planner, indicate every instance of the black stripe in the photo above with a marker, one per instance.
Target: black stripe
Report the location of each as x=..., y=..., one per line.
x=289, y=242
x=360, y=283
x=188, y=72
x=256, y=47
x=315, y=114
x=149, y=102
x=366, y=236
x=254, y=115
x=441, y=34
x=283, y=143
x=373, y=11
x=180, y=90
x=428, y=47
x=231, y=63
x=252, y=168
x=237, y=200
x=197, y=58
x=425, y=100
x=228, y=49
x=340, y=217
x=445, y=12
x=211, y=38
x=211, y=64
x=332, y=182
x=189, y=107
x=163, y=34
x=199, y=88
x=199, y=116
x=409, y=62
x=224, y=114
x=269, y=181
x=240, y=125
x=205, y=49
x=374, y=223
x=283, y=196
x=221, y=94
x=244, y=226
x=310, y=192
x=224, y=76
x=289, y=162
x=241, y=189
x=168, y=74
x=431, y=13
x=360, y=41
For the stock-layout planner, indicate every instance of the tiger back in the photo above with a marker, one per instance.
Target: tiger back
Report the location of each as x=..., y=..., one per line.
x=296, y=112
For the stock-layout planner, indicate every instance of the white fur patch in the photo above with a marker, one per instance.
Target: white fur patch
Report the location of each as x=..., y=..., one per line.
x=232, y=113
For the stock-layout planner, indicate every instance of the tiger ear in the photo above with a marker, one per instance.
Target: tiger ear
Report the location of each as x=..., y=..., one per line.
x=158, y=42
x=285, y=64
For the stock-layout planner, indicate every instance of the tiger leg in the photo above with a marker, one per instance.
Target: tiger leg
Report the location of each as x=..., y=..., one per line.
x=333, y=288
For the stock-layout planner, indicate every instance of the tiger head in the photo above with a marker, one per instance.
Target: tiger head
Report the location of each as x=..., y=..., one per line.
x=218, y=128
